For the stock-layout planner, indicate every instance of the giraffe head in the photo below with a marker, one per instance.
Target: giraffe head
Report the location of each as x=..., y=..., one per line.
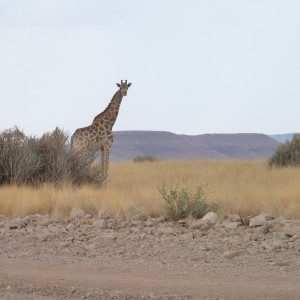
x=124, y=87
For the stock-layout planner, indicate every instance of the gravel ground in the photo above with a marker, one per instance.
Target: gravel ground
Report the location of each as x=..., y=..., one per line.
x=88, y=257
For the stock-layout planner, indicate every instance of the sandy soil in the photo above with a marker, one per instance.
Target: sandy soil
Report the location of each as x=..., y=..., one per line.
x=46, y=258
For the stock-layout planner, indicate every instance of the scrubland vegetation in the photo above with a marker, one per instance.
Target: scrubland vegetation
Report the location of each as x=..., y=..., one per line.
x=243, y=187
x=41, y=176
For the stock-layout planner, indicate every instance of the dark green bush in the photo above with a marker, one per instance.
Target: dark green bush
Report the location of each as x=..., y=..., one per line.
x=182, y=202
x=287, y=154
x=33, y=161
x=146, y=158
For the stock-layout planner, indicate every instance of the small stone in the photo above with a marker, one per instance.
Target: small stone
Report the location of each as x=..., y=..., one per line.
x=231, y=226
x=17, y=224
x=108, y=236
x=186, y=236
x=139, y=217
x=211, y=218
x=87, y=216
x=294, y=238
x=283, y=263
x=291, y=229
x=280, y=236
x=262, y=229
x=231, y=254
x=166, y=230
x=124, y=224
x=149, y=223
x=245, y=221
x=198, y=224
x=136, y=223
x=103, y=216
x=160, y=219
x=77, y=214
x=100, y=223
x=111, y=223
x=258, y=221
x=270, y=246
x=279, y=220
x=70, y=227
x=234, y=218
x=183, y=222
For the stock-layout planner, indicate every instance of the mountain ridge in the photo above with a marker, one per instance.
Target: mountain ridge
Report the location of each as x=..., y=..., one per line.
x=167, y=145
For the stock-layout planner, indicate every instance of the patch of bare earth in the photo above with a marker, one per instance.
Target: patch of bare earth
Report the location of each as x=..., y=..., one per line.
x=85, y=257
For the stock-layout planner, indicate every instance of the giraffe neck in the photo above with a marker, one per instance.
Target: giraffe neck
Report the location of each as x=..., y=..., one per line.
x=110, y=114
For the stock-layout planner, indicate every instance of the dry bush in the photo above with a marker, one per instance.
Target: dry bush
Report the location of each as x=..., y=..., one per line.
x=143, y=159
x=34, y=161
x=287, y=154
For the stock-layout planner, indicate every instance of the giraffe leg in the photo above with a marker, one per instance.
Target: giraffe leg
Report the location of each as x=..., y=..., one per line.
x=102, y=163
x=106, y=163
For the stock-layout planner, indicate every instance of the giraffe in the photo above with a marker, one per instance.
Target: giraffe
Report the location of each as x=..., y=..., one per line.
x=99, y=134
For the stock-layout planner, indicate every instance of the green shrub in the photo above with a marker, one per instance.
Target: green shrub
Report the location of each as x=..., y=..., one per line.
x=146, y=158
x=287, y=154
x=181, y=201
x=33, y=161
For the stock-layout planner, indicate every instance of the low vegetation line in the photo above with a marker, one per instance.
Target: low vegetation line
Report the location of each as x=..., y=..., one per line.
x=241, y=187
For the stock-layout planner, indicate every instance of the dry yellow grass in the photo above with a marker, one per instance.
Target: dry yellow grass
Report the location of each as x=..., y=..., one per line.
x=243, y=187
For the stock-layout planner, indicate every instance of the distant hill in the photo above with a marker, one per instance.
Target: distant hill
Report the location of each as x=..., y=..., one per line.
x=166, y=145
x=282, y=137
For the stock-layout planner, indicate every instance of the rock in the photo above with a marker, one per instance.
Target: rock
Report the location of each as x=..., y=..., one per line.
x=245, y=221
x=183, y=222
x=124, y=224
x=283, y=263
x=186, y=236
x=70, y=227
x=77, y=214
x=262, y=229
x=100, y=223
x=247, y=237
x=279, y=236
x=17, y=223
x=108, y=236
x=87, y=216
x=160, y=219
x=137, y=223
x=258, y=221
x=111, y=223
x=166, y=230
x=270, y=246
x=198, y=224
x=234, y=218
x=103, y=216
x=139, y=217
x=149, y=223
x=231, y=254
x=235, y=240
x=279, y=220
x=197, y=234
x=294, y=238
x=211, y=218
x=231, y=226
x=291, y=229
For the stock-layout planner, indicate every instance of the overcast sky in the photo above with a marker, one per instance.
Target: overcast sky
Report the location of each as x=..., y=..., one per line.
x=196, y=66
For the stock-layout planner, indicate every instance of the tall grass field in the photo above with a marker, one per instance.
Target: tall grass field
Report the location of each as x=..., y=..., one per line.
x=241, y=187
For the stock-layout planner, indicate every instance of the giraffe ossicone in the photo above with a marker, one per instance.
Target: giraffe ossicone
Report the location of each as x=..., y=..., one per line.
x=98, y=135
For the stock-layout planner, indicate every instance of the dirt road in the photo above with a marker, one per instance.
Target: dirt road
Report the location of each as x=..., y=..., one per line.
x=86, y=281
x=47, y=258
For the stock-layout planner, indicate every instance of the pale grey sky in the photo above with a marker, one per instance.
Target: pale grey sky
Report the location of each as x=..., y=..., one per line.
x=196, y=66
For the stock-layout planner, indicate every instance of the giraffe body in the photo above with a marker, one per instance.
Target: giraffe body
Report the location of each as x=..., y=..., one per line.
x=99, y=134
